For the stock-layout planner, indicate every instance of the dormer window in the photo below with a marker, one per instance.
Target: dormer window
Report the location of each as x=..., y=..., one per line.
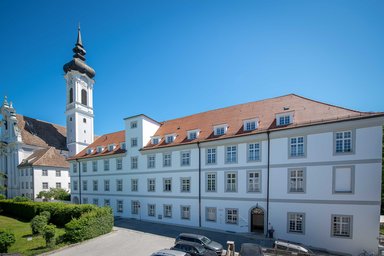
x=284, y=119
x=89, y=150
x=250, y=125
x=99, y=149
x=193, y=134
x=220, y=129
x=111, y=147
x=155, y=140
x=122, y=145
x=169, y=138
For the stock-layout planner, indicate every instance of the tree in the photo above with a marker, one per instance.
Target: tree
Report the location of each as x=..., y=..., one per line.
x=38, y=223
x=6, y=240
x=49, y=234
x=55, y=193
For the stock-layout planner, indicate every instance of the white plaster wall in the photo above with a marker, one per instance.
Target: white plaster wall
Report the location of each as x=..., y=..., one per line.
x=64, y=179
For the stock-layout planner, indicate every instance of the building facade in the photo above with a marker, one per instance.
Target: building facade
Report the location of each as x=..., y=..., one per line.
x=309, y=170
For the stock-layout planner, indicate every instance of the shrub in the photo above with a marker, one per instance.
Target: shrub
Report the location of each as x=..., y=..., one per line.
x=6, y=240
x=21, y=199
x=46, y=214
x=49, y=235
x=2, y=197
x=89, y=225
x=38, y=223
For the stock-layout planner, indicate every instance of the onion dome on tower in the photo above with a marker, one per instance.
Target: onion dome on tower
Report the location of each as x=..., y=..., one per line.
x=78, y=61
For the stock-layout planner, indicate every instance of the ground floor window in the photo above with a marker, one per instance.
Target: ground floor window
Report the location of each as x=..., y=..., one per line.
x=135, y=207
x=168, y=211
x=231, y=216
x=296, y=222
x=342, y=226
x=185, y=212
x=119, y=204
x=211, y=214
x=151, y=210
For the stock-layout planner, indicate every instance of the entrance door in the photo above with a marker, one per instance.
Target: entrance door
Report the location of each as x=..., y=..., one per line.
x=257, y=220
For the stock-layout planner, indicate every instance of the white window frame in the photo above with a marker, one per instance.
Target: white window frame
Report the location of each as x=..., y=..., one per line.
x=211, y=155
x=335, y=190
x=232, y=216
x=99, y=149
x=284, y=119
x=185, y=212
x=44, y=172
x=85, y=185
x=167, y=210
x=95, y=185
x=94, y=166
x=211, y=182
x=151, y=185
x=119, y=163
x=296, y=222
x=185, y=184
x=123, y=145
x=134, y=185
x=133, y=124
x=296, y=182
x=119, y=185
x=167, y=161
x=211, y=214
x=84, y=166
x=254, y=152
x=251, y=124
x=151, y=161
x=134, y=162
x=74, y=167
x=231, y=182
x=170, y=138
x=134, y=142
x=294, y=146
x=107, y=185
x=151, y=210
x=135, y=207
x=185, y=158
x=111, y=147
x=58, y=173
x=221, y=129
x=75, y=185
x=344, y=142
x=155, y=140
x=231, y=154
x=106, y=164
x=193, y=134
x=167, y=184
x=119, y=206
x=253, y=182
x=341, y=225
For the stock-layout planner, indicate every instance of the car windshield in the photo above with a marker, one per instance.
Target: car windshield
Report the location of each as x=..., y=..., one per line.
x=201, y=249
x=205, y=240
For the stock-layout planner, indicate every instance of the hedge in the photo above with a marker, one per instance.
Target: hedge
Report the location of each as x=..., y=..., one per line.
x=89, y=225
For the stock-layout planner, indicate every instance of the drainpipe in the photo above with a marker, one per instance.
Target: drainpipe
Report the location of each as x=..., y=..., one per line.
x=78, y=169
x=268, y=170
x=198, y=146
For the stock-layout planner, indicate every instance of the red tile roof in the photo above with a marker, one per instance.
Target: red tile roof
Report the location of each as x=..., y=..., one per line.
x=107, y=139
x=45, y=157
x=305, y=111
x=43, y=134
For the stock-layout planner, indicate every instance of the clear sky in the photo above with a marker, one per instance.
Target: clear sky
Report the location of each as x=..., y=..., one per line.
x=168, y=59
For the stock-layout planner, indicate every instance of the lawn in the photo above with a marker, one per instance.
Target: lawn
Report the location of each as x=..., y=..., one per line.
x=26, y=243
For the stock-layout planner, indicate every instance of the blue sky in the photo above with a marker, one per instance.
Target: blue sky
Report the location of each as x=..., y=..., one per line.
x=168, y=59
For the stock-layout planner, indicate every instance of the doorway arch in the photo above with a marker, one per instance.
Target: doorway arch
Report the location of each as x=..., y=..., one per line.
x=257, y=220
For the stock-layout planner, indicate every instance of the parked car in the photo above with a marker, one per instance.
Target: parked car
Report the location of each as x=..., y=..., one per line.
x=200, y=239
x=249, y=249
x=166, y=252
x=195, y=249
x=287, y=248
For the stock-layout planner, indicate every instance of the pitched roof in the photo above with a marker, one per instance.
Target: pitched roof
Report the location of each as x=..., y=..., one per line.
x=45, y=157
x=43, y=134
x=103, y=141
x=305, y=112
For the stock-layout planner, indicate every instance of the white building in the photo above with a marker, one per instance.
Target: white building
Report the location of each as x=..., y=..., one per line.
x=309, y=169
x=32, y=152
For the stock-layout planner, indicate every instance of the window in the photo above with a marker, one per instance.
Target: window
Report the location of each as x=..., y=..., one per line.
x=134, y=185
x=58, y=173
x=122, y=145
x=185, y=158
x=84, y=166
x=45, y=185
x=254, y=152
x=106, y=185
x=133, y=124
x=343, y=179
x=155, y=140
x=111, y=147
x=134, y=162
x=119, y=204
x=22, y=185
x=210, y=213
x=31, y=185
x=284, y=119
x=27, y=185
x=135, y=207
x=169, y=138
x=95, y=185
x=231, y=216
x=83, y=97
x=250, y=125
x=342, y=226
x=44, y=172
x=75, y=185
x=151, y=210
x=254, y=181
x=95, y=201
x=185, y=184
x=119, y=163
x=192, y=135
x=296, y=222
x=94, y=166
x=106, y=164
x=167, y=160
x=74, y=168
x=211, y=155
x=89, y=151
x=133, y=142
x=296, y=180
x=343, y=142
x=296, y=147
x=84, y=120
x=220, y=129
x=151, y=161
x=167, y=183
x=211, y=182
x=119, y=185
x=58, y=184
x=231, y=182
x=85, y=200
x=168, y=211
x=107, y=202
x=185, y=212
x=231, y=154
x=85, y=185
x=151, y=185
x=99, y=149
x=70, y=95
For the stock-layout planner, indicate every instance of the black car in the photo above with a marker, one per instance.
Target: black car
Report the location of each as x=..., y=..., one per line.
x=192, y=248
x=200, y=239
x=249, y=249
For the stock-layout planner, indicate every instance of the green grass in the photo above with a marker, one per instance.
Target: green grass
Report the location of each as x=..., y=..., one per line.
x=22, y=231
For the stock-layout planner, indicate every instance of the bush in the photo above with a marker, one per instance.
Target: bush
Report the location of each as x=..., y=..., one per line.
x=89, y=225
x=21, y=199
x=2, y=197
x=49, y=235
x=6, y=240
x=46, y=214
x=38, y=223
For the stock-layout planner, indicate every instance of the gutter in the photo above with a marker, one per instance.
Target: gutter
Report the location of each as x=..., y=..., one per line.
x=78, y=169
x=268, y=171
x=198, y=146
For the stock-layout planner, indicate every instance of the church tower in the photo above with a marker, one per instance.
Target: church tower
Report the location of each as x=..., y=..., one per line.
x=79, y=102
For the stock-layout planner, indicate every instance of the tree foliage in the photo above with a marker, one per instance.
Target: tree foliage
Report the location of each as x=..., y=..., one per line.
x=6, y=240
x=38, y=223
x=49, y=234
x=55, y=193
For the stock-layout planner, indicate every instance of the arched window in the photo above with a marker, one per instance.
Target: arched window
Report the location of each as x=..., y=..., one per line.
x=84, y=97
x=70, y=95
